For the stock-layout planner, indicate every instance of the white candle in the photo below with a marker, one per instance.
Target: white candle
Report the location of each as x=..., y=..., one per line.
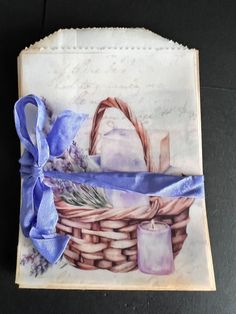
x=121, y=150
x=155, y=254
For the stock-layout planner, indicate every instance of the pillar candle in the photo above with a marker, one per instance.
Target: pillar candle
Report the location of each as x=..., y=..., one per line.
x=121, y=150
x=155, y=254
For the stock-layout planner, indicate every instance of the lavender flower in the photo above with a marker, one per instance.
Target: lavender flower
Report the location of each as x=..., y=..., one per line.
x=73, y=160
x=38, y=264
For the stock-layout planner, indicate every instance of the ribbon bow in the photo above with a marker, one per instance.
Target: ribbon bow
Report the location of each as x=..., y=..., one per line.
x=38, y=215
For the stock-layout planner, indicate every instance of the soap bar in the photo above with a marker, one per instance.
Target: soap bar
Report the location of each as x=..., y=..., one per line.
x=160, y=149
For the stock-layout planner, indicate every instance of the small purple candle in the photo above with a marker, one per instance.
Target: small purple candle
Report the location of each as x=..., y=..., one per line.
x=155, y=254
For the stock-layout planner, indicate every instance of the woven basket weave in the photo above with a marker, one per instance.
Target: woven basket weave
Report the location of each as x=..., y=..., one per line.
x=105, y=238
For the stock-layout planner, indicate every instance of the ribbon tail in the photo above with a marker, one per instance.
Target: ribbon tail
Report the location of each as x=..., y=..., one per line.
x=51, y=248
x=27, y=212
x=43, y=235
x=47, y=214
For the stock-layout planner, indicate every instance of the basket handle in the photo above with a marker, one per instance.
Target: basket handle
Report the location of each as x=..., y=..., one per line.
x=122, y=106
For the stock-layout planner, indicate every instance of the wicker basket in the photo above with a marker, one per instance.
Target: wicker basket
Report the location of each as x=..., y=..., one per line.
x=105, y=238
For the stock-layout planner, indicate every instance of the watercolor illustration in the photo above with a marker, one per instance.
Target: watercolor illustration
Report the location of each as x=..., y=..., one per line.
x=110, y=229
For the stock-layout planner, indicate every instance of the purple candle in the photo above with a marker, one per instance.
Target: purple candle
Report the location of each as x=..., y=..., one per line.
x=155, y=254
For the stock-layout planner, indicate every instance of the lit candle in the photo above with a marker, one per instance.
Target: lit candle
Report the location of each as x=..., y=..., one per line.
x=155, y=254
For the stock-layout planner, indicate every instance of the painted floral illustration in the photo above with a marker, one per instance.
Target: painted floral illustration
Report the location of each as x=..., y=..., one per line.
x=38, y=264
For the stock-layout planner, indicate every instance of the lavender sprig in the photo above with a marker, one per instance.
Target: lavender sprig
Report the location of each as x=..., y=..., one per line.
x=84, y=195
x=74, y=160
x=38, y=264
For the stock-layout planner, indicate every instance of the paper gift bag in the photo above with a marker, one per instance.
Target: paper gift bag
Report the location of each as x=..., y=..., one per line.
x=140, y=93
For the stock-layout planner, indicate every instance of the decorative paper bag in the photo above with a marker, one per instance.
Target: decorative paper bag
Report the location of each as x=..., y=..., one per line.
x=116, y=112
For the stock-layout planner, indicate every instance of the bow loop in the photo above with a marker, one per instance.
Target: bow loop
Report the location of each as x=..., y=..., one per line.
x=64, y=129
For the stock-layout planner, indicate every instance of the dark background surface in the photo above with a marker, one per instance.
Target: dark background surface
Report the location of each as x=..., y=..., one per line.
x=209, y=26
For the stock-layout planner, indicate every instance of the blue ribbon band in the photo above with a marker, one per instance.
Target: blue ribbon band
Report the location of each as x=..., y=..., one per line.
x=146, y=183
x=38, y=215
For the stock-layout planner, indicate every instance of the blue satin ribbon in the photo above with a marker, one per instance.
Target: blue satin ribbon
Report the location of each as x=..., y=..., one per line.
x=146, y=183
x=38, y=215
